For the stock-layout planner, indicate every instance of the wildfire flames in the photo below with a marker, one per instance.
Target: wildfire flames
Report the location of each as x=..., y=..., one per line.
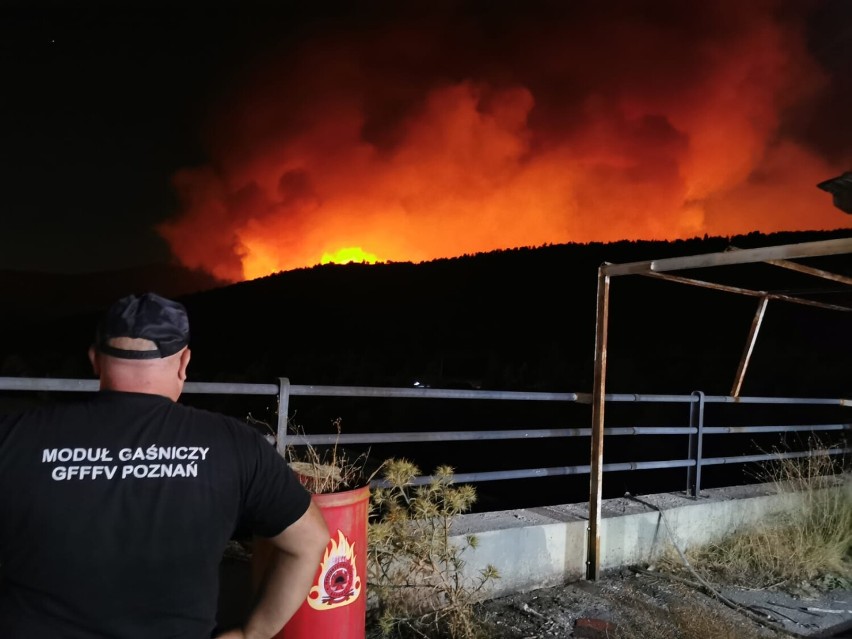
x=415, y=137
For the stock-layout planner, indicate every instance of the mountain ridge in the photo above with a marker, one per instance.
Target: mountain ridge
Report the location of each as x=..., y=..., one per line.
x=513, y=319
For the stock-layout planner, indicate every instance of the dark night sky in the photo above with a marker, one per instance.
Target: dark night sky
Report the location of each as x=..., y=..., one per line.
x=100, y=108
x=102, y=105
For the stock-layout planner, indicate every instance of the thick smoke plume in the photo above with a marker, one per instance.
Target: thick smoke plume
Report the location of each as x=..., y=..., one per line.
x=407, y=137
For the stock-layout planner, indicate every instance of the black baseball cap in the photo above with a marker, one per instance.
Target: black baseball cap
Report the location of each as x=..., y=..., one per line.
x=147, y=316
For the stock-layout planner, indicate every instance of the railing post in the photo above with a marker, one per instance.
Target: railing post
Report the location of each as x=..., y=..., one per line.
x=696, y=443
x=283, y=412
x=593, y=545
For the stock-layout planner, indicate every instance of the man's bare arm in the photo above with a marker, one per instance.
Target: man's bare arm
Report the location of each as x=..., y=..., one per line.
x=295, y=557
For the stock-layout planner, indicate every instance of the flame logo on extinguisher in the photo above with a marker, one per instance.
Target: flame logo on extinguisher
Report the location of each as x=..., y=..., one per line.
x=339, y=583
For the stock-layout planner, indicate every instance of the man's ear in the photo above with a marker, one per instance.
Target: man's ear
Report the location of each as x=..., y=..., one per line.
x=184, y=363
x=93, y=358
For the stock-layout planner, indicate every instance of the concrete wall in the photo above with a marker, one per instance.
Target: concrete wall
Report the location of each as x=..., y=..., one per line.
x=542, y=547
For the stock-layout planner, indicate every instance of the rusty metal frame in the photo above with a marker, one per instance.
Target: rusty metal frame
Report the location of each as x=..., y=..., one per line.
x=775, y=255
x=752, y=339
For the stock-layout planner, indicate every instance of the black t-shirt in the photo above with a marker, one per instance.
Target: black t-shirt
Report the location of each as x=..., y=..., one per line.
x=115, y=512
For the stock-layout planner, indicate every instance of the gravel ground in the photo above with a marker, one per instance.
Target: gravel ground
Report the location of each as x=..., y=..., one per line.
x=654, y=606
x=640, y=605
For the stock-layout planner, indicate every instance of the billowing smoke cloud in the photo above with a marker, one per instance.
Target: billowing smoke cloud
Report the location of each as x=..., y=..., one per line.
x=415, y=136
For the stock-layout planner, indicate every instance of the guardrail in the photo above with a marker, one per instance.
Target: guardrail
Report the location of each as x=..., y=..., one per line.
x=695, y=429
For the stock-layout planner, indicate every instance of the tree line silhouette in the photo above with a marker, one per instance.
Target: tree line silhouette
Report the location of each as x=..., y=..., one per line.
x=518, y=319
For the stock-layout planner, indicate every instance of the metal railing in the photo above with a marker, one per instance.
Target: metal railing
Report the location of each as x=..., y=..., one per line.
x=695, y=429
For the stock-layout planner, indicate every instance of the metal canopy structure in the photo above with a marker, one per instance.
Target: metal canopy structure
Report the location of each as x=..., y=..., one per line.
x=695, y=268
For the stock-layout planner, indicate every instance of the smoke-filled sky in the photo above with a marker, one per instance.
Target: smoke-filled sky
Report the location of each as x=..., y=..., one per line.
x=246, y=139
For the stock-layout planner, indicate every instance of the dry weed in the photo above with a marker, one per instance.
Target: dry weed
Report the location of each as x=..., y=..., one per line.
x=416, y=575
x=810, y=541
x=322, y=470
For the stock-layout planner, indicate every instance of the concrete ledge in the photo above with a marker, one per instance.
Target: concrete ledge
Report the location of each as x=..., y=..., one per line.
x=542, y=547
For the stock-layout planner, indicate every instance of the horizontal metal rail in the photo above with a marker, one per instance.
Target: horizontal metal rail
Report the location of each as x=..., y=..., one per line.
x=92, y=385
x=790, y=428
x=726, y=399
x=745, y=459
x=227, y=388
x=730, y=258
x=543, y=433
x=561, y=471
x=430, y=393
x=230, y=388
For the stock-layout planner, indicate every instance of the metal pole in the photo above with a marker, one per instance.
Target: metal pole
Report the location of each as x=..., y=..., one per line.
x=283, y=412
x=729, y=258
x=593, y=559
x=752, y=338
x=696, y=445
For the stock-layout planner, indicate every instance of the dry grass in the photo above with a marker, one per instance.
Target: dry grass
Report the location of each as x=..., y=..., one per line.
x=321, y=469
x=328, y=469
x=810, y=543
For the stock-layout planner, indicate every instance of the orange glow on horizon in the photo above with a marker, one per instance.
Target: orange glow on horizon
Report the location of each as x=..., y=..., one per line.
x=675, y=135
x=258, y=262
x=349, y=254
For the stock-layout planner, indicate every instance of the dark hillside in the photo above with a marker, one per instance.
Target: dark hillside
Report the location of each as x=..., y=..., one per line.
x=519, y=319
x=514, y=319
